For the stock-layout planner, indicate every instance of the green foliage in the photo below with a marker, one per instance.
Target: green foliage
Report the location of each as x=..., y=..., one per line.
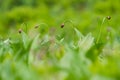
x=59, y=40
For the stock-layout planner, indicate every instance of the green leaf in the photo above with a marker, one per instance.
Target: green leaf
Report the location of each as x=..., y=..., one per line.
x=86, y=43
x=25, y=40
x=79, y=34
x=33, y=47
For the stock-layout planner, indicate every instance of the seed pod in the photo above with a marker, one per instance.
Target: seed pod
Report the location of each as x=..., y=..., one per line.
x=62, y=25
x=20, y=31
x=108, y=17
x=37, y=26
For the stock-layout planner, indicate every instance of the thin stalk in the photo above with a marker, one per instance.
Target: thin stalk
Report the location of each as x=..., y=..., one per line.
x=100, y=30
x=70, y=21
x=73, y=26
x=26, y=27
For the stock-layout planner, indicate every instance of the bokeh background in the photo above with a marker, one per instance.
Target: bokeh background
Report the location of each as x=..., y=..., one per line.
x=34, y=46
x=86, y=14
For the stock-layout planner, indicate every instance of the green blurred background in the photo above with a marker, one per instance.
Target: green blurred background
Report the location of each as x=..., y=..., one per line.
x=59, y=53
x=85, y=14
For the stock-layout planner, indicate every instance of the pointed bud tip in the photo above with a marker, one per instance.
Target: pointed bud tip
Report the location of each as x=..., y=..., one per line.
x=108, y=17
x=62, y=25
x=20, y=30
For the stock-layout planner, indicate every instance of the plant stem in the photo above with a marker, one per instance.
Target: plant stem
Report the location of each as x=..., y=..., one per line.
x=100, y=30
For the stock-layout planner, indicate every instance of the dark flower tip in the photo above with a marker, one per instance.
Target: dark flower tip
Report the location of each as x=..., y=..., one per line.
x=62, y=25
x=108, y=17
x=20, y=30
x=36, y=26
